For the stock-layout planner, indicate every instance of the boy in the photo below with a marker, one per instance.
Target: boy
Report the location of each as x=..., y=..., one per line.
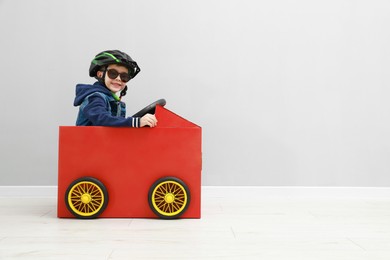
x=99, y=103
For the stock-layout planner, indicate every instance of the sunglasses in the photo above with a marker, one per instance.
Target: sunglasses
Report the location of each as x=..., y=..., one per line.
x=113, y=74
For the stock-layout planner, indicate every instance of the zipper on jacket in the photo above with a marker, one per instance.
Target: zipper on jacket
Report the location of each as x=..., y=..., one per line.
x=118, y=109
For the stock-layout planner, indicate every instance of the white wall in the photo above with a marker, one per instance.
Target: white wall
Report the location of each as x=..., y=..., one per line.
x=287, y=92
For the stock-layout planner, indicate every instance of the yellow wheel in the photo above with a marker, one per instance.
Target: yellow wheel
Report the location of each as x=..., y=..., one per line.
x=86, y=198
x=169, y=197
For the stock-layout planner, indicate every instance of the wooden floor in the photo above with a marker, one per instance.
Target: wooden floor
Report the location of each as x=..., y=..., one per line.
x=236, y=223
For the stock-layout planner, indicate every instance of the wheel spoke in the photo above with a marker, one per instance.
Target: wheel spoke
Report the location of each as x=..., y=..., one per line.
x=161, y=203
x=166, y=208
x=177, y=190
x=95, y=204
x=164, y=188
x=170, y=186
x=90, y=207
x=81, y=188
x=77, y=204
x=180, y=197
x=176, y=206
x=76, y=192
x=159, y=192
x=95, y=193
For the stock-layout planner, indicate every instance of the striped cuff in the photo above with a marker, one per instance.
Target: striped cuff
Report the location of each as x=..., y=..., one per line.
x=135, y=122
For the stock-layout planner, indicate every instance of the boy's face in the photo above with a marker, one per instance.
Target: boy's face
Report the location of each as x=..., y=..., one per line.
x=114, y=85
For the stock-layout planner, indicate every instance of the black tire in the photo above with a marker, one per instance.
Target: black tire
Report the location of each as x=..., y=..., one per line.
x=169, y=197
x=86, y=198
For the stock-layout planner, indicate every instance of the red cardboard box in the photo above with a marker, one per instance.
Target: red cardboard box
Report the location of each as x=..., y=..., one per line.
x=131, y=172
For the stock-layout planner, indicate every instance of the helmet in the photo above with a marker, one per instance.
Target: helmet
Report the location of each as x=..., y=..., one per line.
x=106, y=58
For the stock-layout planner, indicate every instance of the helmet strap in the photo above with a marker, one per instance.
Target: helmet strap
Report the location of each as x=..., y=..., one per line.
x=101, y=79
x=123, y=92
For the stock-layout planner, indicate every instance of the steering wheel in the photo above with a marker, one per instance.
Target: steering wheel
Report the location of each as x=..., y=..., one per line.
x=151, y=108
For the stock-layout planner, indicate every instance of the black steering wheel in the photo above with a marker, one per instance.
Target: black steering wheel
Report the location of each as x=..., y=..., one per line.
x=151, y=109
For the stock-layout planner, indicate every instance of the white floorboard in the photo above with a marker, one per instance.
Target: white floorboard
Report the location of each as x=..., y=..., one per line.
x=237, y=223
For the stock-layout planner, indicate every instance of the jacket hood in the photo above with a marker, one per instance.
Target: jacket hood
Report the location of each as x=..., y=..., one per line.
x=83, y=90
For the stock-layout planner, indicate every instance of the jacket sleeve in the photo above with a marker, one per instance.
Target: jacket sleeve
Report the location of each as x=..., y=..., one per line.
x=98, y=113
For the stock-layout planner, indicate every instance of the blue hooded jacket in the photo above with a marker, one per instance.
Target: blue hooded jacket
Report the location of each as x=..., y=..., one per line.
x=97, y=107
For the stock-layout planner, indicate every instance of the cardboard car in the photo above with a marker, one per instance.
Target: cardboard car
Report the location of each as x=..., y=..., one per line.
x=118, y=172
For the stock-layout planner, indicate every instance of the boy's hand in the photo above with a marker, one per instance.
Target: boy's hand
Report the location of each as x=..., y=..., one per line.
x=148, y=120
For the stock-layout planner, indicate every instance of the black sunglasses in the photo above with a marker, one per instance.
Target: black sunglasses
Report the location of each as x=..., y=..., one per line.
x=113, y=74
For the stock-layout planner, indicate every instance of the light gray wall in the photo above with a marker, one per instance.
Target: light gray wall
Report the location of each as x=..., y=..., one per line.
x=287, y=92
